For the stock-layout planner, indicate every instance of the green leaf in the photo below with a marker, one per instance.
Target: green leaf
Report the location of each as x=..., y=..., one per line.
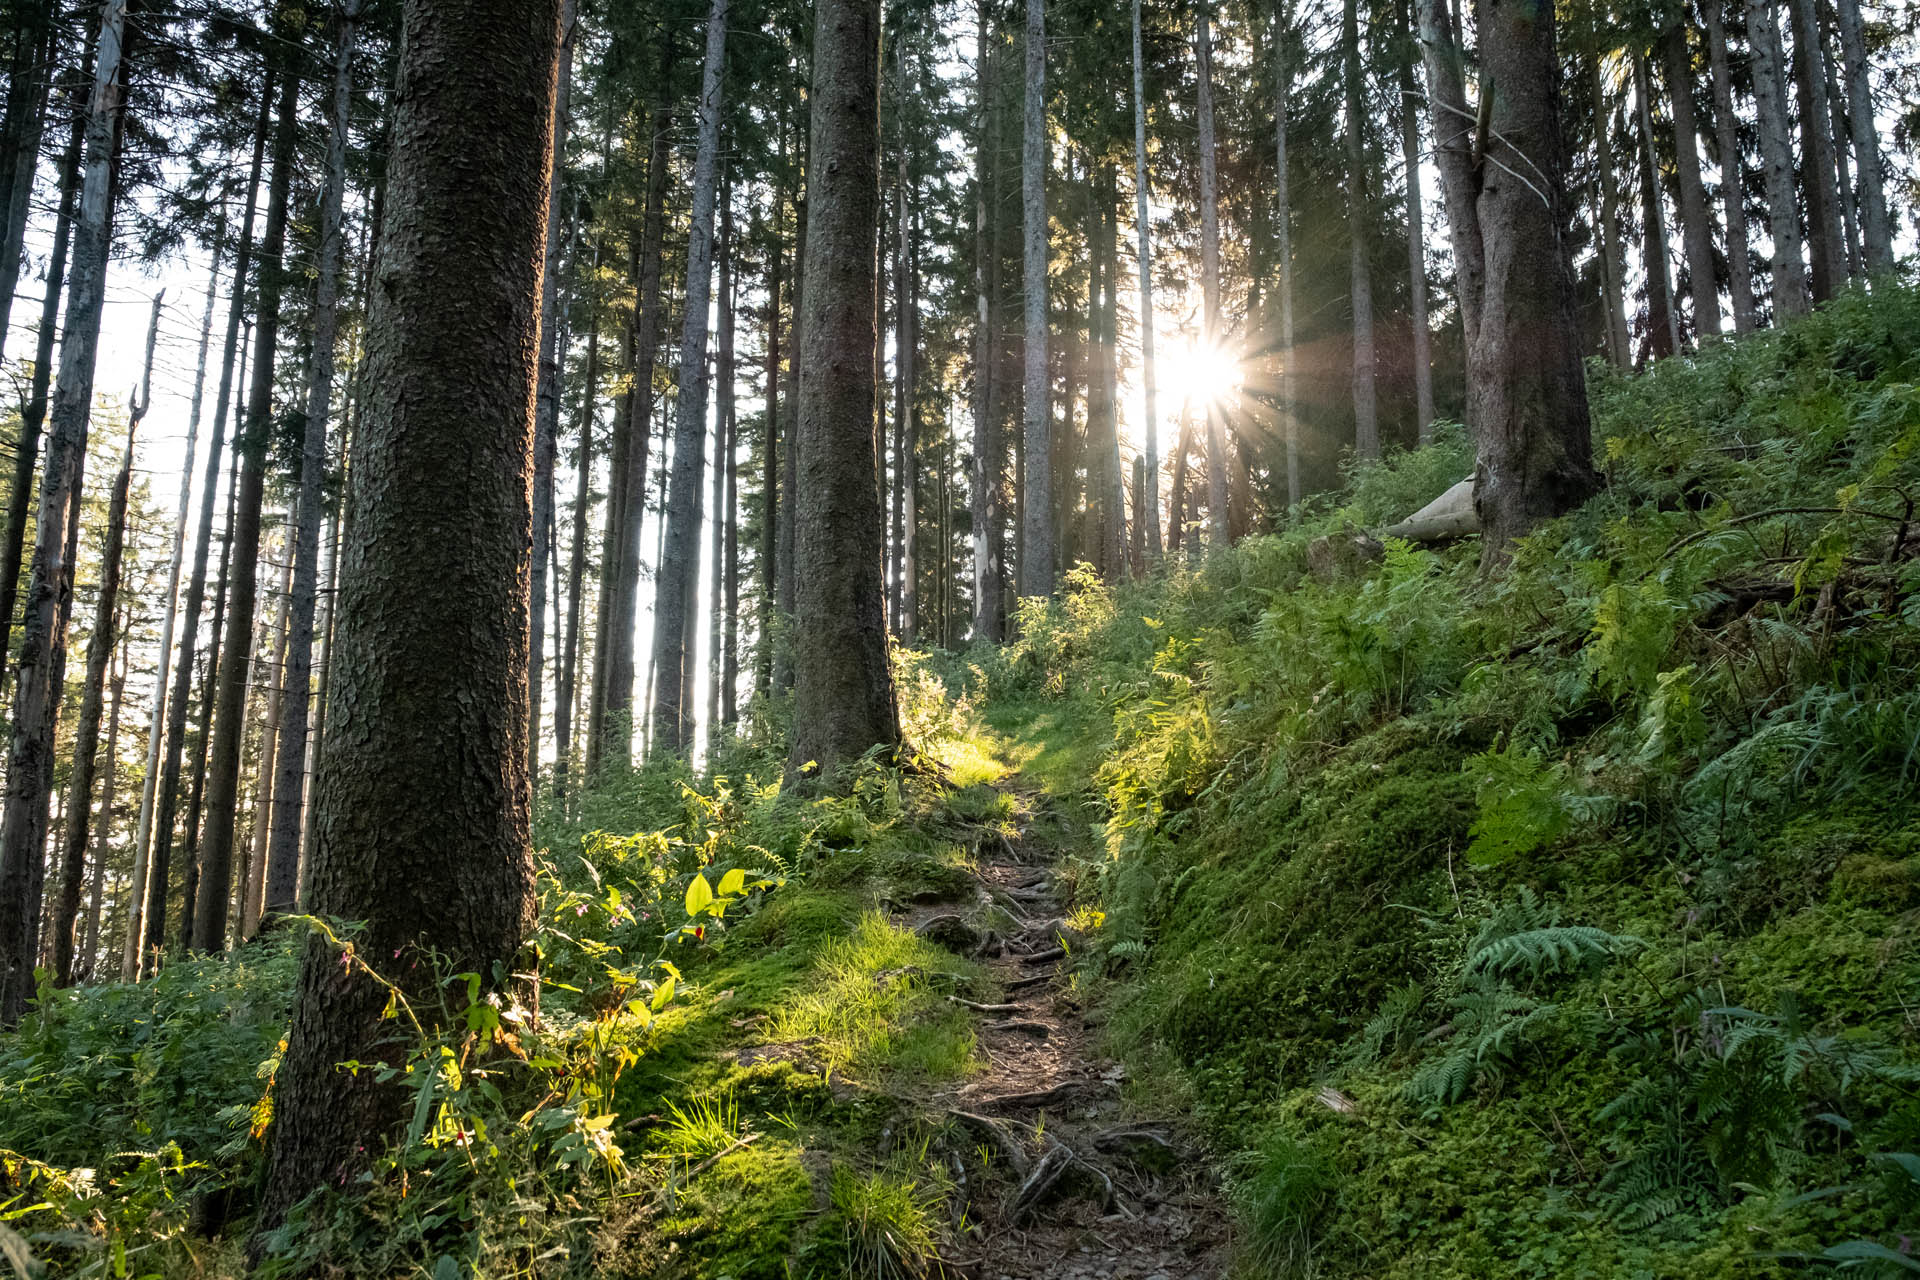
x=699, y=895
x=662, y=994
x=1854, y=1251
x=732, y=882
x=446, y=1268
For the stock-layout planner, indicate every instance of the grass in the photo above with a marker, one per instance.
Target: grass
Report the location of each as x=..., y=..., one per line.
x=889, y=1220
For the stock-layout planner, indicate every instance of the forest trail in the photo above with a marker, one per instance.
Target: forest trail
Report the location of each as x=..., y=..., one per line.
x=1090, y=1188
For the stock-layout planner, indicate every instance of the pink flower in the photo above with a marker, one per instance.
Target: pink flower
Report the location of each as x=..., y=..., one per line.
x=580, y=908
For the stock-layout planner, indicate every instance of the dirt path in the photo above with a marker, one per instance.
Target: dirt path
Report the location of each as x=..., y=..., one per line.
x=1086, y=1187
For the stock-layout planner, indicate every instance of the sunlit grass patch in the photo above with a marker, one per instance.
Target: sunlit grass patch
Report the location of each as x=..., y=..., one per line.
x=969, y=761
x=876, y=1005
x=889, y=1221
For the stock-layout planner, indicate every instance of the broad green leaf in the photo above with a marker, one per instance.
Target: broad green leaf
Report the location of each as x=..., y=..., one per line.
x=732, y=882
x=699, y=895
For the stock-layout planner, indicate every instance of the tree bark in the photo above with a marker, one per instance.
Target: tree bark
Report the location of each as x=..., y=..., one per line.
x=843, y=700
x=568, y=691
x=1875, y=229
x=1619, y=344
x=36, y=39
x=1696, y=220
x=87, y=968
x=984, y=510
x=1726, y=132
x=430, y=846
x=282, y=883
x=770, y=499
x=49, y=599
x=153, y=893
x=250, y=449
x=1366, y=417
x=269, y=663
x=1768, y=65
x=1211, y=338
x=790, y=466
x=1149, y=501
x=1527, y=397
x=1416, y=235
x=1826, y=245
x=1283, y=248
x=1663, y=315
x=722, y=467
x=1036, y=528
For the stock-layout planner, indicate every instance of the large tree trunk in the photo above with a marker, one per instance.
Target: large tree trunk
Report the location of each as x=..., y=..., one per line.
x=678, y=574
x=33, y=414
x=1726, y=133
x=546, y=401
x=93, y=694
x=290, y=764
x=1613, y=258
x=1416, y=234
x=1826, y=245
x=1211, y=337
x=1283, y=242
x=1366, y=417
x=1663, y=316
x=430, y=846
x=906, y=414
x=770, y=499
x=790, y=462
x=1149, y=501
x=843, y=703
x=1526, y=395
x=1696, y=220
x=1036, y=524
x=36, y=40
x=269, y=664
x=723, y=445
x=1876, y=230
x=250, y=448
x=1768, y=65
x=730, y=645
x=49, y=599
x=151, y=894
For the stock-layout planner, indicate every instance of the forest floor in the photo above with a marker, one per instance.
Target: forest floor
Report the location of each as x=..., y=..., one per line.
x=1095, y=1189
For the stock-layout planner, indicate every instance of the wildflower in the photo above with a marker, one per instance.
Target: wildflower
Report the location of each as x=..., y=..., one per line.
x=579, y=908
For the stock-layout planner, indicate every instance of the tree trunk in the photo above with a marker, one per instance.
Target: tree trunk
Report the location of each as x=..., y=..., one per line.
x=1527, y=397
x=1826, y=245
x=250, y=449
x=730, y=640
x=1366, y=418
x=269, y=669
x=1876, y=230
x=1283, y=248
x=1768, y=65
x=33, y=413
x=152, y=894
x=843, y=702
x=678, y=574
x=49, y=600
x=1211, y=338
x=1619, y=344
x=546, y=400
x=430, y=847
x=722, y=466
x=1036, y=528
x=1149, y=502
x=790, y=465
x=568, y=691
x=1416, y=234
x=1663, y=316
x=984, y=510
x=36, y=39
x=1726, y=132
x=907, y=431
x=1843, y=168
x=88, y=968
x=1696, y=220
x=1177, y=515
x=296, y=676
x=770, y=499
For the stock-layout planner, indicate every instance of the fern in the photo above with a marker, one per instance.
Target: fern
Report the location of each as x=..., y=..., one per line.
x=1537, y=953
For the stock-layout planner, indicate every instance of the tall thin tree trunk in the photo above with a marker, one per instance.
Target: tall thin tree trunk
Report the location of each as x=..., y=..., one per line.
x=1036, y=528
x=250, y=448
x=36, y=40
x=1696, y=220
x=1619, y=345
x=907, y=458
x=568, y=691
x=1663, y=315
x=790, y=463
x=1366, y=416
x=284, y=820
x=1283, y=247
x=730, y=552
x=1211, y=338
x=1149, y=502
x=1768, y=65
x=1826, y=245
x=88, y=968
x=722, y=466
x=1726, y=132
x=679, y=569
x=49, y=600
x=100, y=647
x=1843, y=167
x=1416, y=233
x=1876, y=230
x=1177, y=515
x=272, y=656
x=983, y=506
x=770, y=499
x=843, y=687
x=33, y=413
x=152, y=895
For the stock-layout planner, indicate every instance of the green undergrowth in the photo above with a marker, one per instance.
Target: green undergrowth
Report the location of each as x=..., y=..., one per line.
x=729, y=1026
x=1558, y=922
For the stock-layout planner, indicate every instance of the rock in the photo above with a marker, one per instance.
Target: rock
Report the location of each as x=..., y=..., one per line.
x=951, y=932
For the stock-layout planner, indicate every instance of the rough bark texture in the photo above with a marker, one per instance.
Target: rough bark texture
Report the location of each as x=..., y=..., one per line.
x=1663, y=315
x=1148, y=501
x=1036, y=523
x=1826, y=244
x=421, y=815
x=1283, y=244
x=1211, y=338
x=1726, y=134
x=49, y=596
x=678, y=575
x=843, y=701
x=770, y=500
x=1526, y=396
x=250, y=449
x=1366, y=414
x=984, y=509
x=1613, y=259
x=1696, y=220
x=1416, y=236
x=1876, y=231
x=722, y=519
x=1768, y=64
x=296, y=676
